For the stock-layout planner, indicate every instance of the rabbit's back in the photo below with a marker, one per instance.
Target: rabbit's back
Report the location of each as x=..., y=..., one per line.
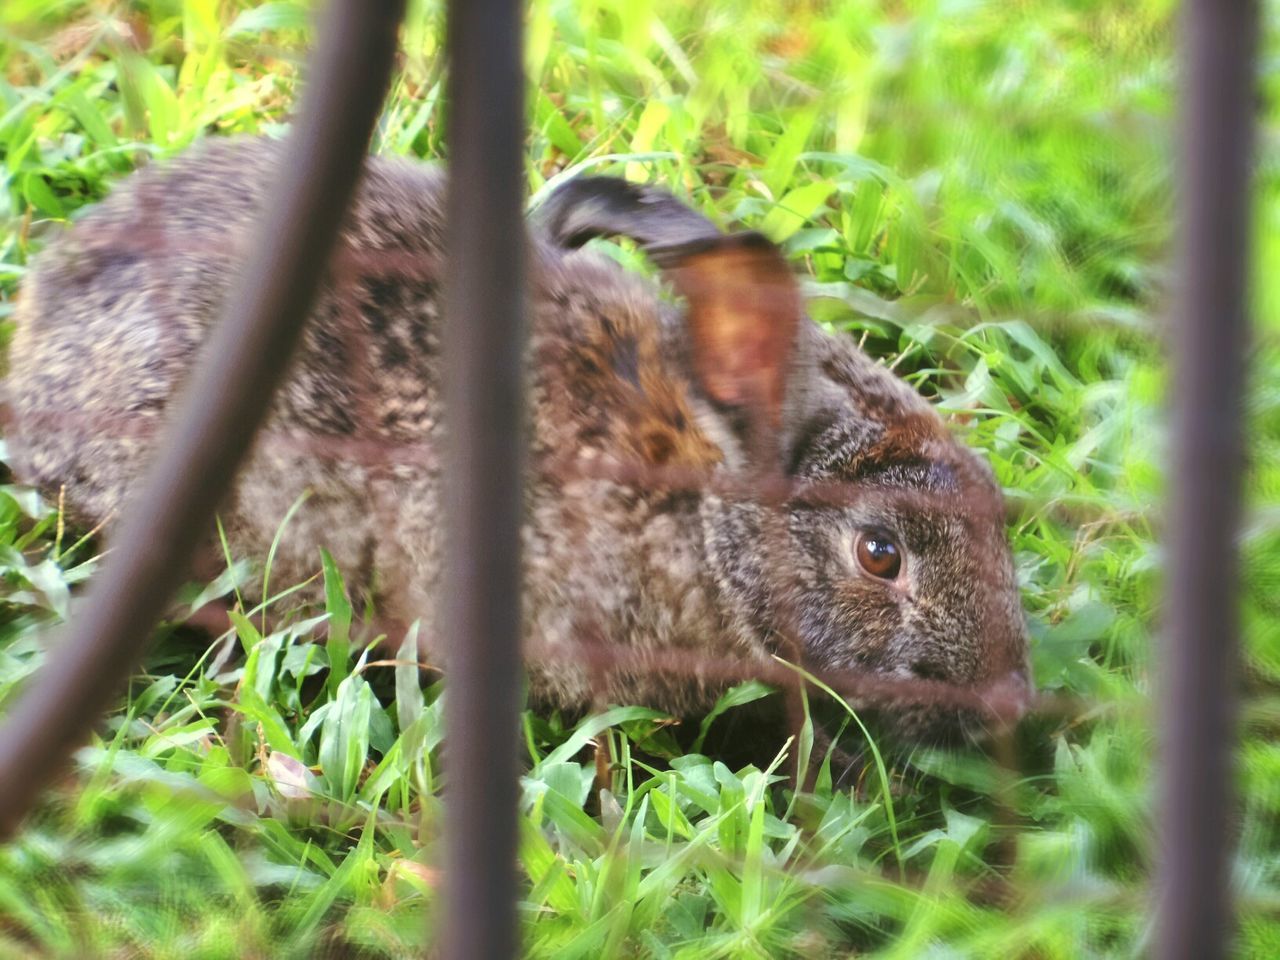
x=110, y=326
x=112, y=318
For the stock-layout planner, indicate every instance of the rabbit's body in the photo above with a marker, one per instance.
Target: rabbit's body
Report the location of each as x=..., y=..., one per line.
x=113, y=315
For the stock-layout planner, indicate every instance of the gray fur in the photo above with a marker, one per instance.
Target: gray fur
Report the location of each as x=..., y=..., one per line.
x=113, y=314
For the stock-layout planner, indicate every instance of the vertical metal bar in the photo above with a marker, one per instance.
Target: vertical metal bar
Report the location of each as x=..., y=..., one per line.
x=228, y=400
x=1201, y=643
x=484, y=348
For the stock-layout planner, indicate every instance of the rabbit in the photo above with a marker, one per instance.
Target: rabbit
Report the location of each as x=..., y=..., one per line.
x=910, y=577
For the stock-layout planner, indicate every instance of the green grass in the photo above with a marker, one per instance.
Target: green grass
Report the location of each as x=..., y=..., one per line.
x=979, y=191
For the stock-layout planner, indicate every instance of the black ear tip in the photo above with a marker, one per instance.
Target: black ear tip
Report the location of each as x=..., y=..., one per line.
x=578, y=210
x=589, y=207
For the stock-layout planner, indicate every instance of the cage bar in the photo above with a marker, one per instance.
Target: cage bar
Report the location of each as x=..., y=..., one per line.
x=1201, y=635
x=484, y=347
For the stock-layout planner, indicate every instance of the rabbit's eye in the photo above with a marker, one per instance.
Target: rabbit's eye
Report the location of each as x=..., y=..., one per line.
x=879, y=555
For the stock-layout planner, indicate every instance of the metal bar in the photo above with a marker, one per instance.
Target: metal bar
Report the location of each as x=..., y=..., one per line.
x=1201, y=652
x=484, y=349
x=241, y=366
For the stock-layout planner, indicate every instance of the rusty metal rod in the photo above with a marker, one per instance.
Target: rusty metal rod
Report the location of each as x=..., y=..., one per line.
x=241, y=366
x=483, y=384
x=1201, y=643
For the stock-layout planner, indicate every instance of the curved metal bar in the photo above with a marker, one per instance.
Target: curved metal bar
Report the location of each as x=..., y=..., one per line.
x=242, y=364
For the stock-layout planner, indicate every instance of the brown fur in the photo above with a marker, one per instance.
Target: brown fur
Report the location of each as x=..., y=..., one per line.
x=113, y=315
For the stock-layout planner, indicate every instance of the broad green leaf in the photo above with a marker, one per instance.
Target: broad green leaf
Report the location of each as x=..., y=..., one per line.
x=795, y=209
x=340, y=613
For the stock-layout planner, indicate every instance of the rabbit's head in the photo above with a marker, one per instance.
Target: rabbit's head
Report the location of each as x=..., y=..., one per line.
x=889, y=560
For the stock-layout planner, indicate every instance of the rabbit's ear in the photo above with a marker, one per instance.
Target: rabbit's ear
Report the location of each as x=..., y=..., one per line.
x=590, y=207
x=744, y=303
x=744, y=308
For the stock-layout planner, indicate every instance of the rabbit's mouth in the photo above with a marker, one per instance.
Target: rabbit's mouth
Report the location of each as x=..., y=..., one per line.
x=953, y=715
